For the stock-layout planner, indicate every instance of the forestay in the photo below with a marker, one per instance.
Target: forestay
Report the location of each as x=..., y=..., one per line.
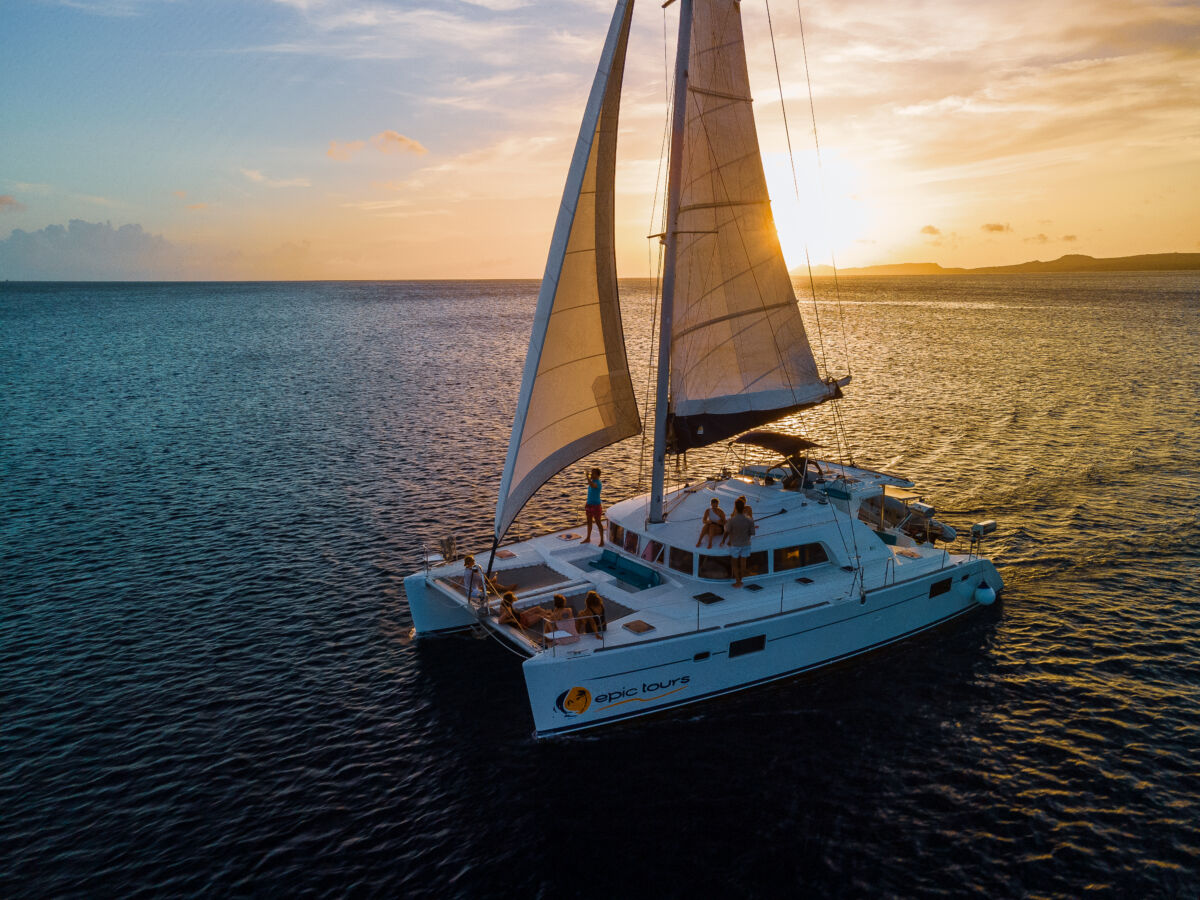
x=576, y=392
x=739, y=353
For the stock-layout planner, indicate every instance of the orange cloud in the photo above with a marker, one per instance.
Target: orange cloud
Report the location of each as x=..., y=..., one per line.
x=929, y=229
x=197, y=206
x=392, y=142
x=996, y=226
x=10, y=204
x=343, y=151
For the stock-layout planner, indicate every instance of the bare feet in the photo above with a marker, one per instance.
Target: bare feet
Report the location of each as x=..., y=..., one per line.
x=586, y=540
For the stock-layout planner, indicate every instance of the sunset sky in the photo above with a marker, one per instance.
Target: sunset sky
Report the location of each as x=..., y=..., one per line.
x=431, y=138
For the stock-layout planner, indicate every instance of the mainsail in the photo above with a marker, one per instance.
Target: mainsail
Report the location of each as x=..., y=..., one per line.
x=576, y=392
x=739, y=353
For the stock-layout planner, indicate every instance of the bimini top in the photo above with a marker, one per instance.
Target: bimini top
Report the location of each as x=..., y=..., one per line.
x=783, y=444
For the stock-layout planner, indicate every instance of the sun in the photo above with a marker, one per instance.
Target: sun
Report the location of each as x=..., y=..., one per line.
x=827, y=217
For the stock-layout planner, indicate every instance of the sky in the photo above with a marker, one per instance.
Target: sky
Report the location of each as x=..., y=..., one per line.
x=301, y=139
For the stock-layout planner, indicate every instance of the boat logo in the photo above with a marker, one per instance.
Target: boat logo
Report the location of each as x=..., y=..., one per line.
x=575, y=701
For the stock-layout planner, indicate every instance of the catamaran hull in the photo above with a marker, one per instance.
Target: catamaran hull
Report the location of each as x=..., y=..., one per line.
x=433, y=611
x=568, y=693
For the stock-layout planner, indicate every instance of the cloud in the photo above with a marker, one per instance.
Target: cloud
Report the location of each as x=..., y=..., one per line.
x=10, y=204
x=197, y=206
x=108, y=8
x=929, y=229
x=90, y=250
x=388, y=141
x=96, y=251
x=392, y=142
x=1037, y=239
x=343, y=151
x=499, y=5
x=180, y=194
x=363, y=29
x=1069, y=237
x=259, y=178
x=996, y=226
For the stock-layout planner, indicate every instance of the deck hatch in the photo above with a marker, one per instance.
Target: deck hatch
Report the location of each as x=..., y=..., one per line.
x=708, y=597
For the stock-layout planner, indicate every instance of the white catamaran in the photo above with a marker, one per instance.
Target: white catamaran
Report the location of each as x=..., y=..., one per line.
x=843, y=560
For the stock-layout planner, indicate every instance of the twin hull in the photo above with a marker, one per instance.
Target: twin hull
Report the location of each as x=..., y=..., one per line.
x=569, y=691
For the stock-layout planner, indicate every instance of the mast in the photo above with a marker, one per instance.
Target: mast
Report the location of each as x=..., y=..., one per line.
x=674, y=175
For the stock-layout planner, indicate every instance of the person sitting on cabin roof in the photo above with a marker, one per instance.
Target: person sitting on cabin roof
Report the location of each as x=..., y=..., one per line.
x=713, y=523
x=593, y=620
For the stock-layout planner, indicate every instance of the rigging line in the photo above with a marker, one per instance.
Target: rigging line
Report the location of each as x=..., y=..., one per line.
x=812, y=110
x=796, y=184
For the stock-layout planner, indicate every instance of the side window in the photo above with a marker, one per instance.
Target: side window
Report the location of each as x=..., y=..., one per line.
x=653, y=551
x=715, y=567
x=631, y=541
x=616, y=533
x=940, y=587
x=798, y=557
x=747, y=645
x=680, y=560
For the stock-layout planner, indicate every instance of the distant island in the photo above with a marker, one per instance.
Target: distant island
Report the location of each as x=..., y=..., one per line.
x=1075, y=262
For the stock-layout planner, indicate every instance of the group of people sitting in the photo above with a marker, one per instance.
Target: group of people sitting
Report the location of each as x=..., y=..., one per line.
x=560, y=617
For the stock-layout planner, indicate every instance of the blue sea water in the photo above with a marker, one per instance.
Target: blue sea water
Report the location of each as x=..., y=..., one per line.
x=208, y=683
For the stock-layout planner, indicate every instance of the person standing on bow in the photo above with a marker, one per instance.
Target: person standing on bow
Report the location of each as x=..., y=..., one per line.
x=739, y=528
x=593, y=509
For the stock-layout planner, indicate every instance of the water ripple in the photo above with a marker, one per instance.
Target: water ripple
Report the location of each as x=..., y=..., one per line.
x=212, y=494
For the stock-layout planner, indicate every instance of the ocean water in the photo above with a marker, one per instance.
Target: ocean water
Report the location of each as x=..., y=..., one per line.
x=208, y=683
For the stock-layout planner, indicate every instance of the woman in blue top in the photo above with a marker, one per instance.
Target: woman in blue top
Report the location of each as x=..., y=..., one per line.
x=592, y=508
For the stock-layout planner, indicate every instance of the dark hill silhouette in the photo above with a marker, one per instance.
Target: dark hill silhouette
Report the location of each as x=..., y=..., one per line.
x=1074, y=262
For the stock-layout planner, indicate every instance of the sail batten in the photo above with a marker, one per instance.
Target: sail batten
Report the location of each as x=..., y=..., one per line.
x=740, y=356
x=576, y=390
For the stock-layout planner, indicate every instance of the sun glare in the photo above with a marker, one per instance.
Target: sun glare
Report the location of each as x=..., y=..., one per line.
x=827, y=217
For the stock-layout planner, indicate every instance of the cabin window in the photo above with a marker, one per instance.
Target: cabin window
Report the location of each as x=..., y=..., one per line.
x=721, y=567
x=747, y=645
x=717, y=567
x=680, y=560
x=940, y=587
x=616, y=533
x=756, y=563
x=652, y=552
x=631, y=542
x=798, y=557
